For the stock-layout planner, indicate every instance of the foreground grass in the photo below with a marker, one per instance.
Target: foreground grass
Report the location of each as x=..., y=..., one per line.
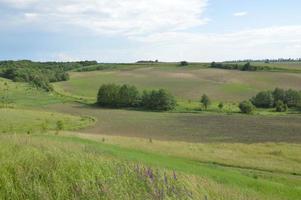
x=42, y=169
x=58, y=167
x=269, y=157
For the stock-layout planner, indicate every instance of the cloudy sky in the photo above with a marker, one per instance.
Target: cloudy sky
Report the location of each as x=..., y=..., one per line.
x=131, y=30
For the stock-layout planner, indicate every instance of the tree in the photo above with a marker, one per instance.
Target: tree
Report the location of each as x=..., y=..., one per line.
x=279, y=95
x=159, y=100
x=108, y=95
x=128, y=96
x=184, y=63
x=221, y=105
x=263, y=99
x=292, y=98
x=205, y=101
x=246, y=107
x=280, y=106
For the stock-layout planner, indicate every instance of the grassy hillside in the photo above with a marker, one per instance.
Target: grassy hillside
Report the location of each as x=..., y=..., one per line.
x=184, y=82
x=131, y=154
x=68, y=167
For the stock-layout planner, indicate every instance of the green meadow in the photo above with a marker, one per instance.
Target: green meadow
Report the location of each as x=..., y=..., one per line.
x=60, y=145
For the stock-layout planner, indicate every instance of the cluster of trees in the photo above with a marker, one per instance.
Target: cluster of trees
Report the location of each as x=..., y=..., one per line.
x=242, y=67
x=147, y=61
x=39, y=74
x=269, y=99
x=279, y=99
x=125, y=96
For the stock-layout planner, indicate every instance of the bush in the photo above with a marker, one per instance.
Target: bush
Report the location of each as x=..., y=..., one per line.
x=159, y=100
x=280, y=106
x=205, y=101
x=263, y=99
x=246, y=107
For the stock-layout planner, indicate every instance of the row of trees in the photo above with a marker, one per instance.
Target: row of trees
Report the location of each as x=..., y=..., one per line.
x=242, y=67
x=126, y=96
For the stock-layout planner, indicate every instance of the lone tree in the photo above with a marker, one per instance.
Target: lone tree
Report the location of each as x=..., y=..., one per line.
x=221, y=105
x=184, y=63
x=246, y=107
x=205, y=101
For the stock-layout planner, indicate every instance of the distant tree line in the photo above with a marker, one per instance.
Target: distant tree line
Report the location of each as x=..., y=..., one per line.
x=242, y=67
x=278, y=60
x=39, y=74
x=128, y=96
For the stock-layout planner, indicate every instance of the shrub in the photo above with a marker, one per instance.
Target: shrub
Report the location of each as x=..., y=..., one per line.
x=246, y=107
x=205, y=101
x=263, y=99
x=59, y=125
x=280, y=106
x=221, y=105
x=159, y=100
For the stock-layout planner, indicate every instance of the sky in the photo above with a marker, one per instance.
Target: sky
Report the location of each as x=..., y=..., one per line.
x=132, y=30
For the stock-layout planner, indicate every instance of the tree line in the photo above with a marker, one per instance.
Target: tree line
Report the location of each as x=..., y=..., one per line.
x=128, y=96
x=39, y=74
x=241, y=67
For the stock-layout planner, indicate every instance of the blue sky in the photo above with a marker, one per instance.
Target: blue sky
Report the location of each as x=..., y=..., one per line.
x=168, y=30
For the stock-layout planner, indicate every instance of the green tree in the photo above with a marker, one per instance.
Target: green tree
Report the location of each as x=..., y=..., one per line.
x=221, y=105
x=108, y=95
x=280, y=106
x=263, y=99
x=246, y=107
x=205, y=101
x=279, y=95
x=184, y=63
x=159, y=100
x=292, y=98
x=128, y=96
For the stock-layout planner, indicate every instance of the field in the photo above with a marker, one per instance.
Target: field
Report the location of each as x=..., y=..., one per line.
x=187, y=153
x=187, y=83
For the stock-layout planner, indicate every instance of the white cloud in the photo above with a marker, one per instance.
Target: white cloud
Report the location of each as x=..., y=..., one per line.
x=114, y=16
x=240, y=14
x=268, y=42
